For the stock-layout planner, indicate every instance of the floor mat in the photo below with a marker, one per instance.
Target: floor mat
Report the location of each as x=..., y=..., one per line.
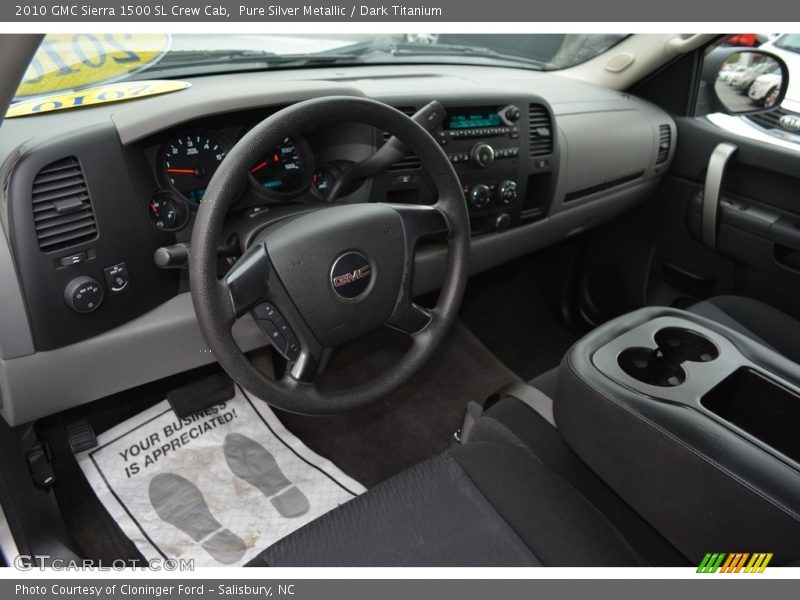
x=217, y=487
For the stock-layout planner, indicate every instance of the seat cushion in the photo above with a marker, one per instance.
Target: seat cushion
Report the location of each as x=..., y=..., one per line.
x=511, y=422
x=480, y=504
x=757, y=320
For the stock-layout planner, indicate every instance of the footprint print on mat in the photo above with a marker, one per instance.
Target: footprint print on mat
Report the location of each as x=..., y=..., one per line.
x=180, y=503
x=253, y=463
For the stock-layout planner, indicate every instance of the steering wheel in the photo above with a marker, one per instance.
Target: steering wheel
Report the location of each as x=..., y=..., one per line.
x=330, y=275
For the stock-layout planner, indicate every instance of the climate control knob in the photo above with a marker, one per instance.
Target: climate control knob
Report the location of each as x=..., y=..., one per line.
x=83, y=294
x=507, y=191
x=480, y=195
x=482, y=155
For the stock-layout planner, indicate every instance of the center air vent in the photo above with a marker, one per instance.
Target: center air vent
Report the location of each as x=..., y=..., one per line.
x=664, y=143
x=409, y=162
x=62, y=210
x=541, y=131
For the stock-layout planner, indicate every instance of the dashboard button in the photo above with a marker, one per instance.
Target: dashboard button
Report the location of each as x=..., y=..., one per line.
x=72, y=259
x=117, y=279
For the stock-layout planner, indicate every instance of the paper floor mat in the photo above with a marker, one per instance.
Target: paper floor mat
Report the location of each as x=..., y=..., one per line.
x=218, y=487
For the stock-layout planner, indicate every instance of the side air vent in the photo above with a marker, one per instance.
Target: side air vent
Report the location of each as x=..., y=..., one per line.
x=664, y=143
x=62, y=210
x=409, y=162
x=541, y=130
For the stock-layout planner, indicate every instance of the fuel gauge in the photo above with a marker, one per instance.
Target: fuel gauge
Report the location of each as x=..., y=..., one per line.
x=322, y=180
x=168, y=212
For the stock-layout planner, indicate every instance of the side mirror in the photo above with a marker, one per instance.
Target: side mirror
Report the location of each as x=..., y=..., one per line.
x=742, y=81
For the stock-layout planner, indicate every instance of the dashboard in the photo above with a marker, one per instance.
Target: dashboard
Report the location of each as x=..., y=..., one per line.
x=90, y=195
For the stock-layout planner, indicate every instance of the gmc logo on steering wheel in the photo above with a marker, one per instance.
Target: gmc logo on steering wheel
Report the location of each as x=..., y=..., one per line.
x=361, y=273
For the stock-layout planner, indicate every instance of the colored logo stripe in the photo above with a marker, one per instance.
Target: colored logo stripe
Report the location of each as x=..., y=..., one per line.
x=734, y=562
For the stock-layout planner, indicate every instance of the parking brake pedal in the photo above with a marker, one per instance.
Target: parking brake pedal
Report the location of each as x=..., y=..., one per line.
x=201, y=394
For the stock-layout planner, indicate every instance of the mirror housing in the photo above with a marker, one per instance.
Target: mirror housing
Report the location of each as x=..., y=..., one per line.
x=743, y=81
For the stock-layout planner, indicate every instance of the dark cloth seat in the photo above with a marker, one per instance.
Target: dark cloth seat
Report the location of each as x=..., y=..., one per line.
x=762, y=322
x=513, y=495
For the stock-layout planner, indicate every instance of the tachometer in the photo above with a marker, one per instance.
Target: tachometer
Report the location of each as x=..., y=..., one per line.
x=190, y=160
x=286, y=169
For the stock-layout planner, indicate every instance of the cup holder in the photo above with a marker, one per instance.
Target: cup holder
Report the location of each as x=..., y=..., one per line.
x=662, y=366
x=682, y=345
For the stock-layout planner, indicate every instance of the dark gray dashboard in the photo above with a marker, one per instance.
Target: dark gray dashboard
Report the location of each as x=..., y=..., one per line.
x=578, y=156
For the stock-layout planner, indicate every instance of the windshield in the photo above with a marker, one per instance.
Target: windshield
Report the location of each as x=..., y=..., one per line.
x=68, y=62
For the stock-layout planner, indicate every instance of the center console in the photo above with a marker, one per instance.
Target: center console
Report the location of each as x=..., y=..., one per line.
x=694, y=425
x=503, y=150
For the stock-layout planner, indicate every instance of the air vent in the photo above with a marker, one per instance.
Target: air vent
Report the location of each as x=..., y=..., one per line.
x=409, y=162
x=664, y=143
x=62, y=209
x=541, y=131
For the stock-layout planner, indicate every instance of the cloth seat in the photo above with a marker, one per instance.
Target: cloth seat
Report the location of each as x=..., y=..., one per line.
x=512, y=495
x=762, y=322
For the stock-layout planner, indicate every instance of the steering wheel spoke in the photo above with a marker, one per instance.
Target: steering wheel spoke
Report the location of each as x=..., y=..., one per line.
x=420, y=222
x=248, y=280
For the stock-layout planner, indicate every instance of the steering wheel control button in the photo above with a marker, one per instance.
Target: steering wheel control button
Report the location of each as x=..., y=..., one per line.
x=83, y=294
x=117, y=279
x=277, y=330
x=351, y=275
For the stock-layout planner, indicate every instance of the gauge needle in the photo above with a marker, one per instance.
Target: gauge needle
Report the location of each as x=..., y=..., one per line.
x=181, y=171
x=258, y=167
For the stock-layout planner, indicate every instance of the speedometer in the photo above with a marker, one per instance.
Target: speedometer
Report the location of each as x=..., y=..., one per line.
x=190, y=161
x=286, y=169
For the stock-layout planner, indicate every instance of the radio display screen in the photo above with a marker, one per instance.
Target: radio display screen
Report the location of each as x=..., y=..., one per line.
x=471, y=118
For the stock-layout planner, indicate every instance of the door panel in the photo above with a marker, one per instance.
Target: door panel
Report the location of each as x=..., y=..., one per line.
x=757, y=250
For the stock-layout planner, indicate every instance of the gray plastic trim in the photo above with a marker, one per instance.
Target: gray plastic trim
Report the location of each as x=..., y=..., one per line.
x=240, y=94
x=713, y=186
x=162, y=342
x=15, y=332
x=493, y=249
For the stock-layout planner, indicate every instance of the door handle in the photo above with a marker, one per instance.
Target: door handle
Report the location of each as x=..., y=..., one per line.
x=711, y=192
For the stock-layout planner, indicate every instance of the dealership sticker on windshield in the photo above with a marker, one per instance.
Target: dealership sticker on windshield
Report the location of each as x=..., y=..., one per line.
x=67, y=62
x=115, y=92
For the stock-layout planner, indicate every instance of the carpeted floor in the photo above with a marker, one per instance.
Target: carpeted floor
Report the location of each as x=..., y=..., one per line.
x=515, y=310
x=412, y=424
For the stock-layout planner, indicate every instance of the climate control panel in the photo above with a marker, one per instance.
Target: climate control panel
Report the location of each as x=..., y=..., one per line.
x=502, y=151
x=483, y=145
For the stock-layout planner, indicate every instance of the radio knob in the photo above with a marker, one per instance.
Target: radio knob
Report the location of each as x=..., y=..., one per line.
x=508, y=191
x=513, y=114
x=83, y=294
x=480, y=195
x=482, y=155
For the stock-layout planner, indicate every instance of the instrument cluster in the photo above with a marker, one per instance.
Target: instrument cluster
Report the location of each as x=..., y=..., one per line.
x=186, y=161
